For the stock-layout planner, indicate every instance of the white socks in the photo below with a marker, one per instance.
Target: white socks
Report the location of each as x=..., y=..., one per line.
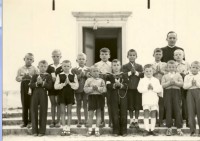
x=136, y=120
x=153, y=123
x=131, y=120
x=66, y=128
x=146, y=124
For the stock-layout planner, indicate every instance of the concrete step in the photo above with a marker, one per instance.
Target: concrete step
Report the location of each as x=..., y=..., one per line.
x=16, y=130
x=104, y=137
x=18, y=120
x=18, y=112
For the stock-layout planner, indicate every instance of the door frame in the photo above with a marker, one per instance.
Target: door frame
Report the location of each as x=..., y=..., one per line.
x=102, y=20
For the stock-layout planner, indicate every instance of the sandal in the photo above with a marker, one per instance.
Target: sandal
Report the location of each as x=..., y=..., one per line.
x=89, y=133
x=67, y=133
x=63, y=133
x=52, y=125
x=97, y=134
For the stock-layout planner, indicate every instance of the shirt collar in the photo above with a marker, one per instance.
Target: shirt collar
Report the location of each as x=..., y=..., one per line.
x=82, y=68
x=70, y=72
x=25, y=67
x=56, y=66
x=107, y=62
x=171, y=46
x=183, y=62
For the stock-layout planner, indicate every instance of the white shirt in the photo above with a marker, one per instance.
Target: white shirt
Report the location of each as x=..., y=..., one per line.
x=188, y=81
x=104, y=67
x=149, y=97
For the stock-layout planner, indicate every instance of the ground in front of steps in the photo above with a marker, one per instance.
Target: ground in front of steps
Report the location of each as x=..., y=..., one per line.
x=76, y=137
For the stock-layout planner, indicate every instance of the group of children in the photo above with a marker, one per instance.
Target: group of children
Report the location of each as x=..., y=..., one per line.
x=164, y=90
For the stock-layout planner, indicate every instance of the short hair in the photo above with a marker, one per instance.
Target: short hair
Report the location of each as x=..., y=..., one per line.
x=179, y=50
x=171, y=32
x=82, y=54
x=159, y=50
x=171, y=62
x=115, y=61
x=56, y=51
x=29, y=54
x=148, y=66
x=104, y=50
x=43, y=62
x=131, y=50
x=94, y=67
x=66, y=61
x=195, y=63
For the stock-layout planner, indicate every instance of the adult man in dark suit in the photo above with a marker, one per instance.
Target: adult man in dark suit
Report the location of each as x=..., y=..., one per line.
x=168, y=51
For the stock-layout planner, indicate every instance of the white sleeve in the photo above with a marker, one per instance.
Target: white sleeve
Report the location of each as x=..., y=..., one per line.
x=57, y=84
x=129, y=73
x=187, y=82
x=141, y=86
x=137, y=73
x=75, y=85
x=157, y=88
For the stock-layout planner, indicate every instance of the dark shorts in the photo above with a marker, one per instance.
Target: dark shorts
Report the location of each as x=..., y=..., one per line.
x=134, y=100
x=66, y=97
x=95, y=102
x=81, y=96
x=53, y=92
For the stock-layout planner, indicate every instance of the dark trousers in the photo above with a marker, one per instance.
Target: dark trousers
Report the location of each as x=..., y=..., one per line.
x=184, y=104
x=107, y=97
x=172, y=103
x=40, y=99
x=119, y=113
x=193, y=105
x=161, y=110
x=26, y=102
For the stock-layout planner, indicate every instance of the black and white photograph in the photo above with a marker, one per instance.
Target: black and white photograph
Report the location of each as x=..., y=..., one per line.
x=100, y=70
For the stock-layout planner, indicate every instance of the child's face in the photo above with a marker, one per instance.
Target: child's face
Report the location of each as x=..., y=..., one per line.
x=132, y=56
x=95, y=72
x=194, y=69
x=28, y=60
x=116, y=66
x=178, y=56
x=171, y=67
x=171, y=39
x=104, y=56
x=148, y=72
x=81, y=60
x=158, y=56
x=56, y=57
x=42, y=67
x=66, y=67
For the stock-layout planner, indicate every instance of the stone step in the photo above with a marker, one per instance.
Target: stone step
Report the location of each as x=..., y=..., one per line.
x=104, y=137
x=16, y=130
x=18, y=113
x=18, y=120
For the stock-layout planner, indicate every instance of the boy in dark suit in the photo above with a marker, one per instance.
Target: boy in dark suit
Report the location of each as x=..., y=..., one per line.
x=40, y=83
x=134, y=73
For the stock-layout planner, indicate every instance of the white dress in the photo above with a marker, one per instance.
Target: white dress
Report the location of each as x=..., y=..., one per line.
x=149, y=97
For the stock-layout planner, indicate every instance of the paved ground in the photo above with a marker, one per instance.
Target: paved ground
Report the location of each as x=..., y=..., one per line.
x=101, y=138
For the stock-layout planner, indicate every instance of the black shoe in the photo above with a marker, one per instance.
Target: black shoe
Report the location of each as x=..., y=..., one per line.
x=192, y=134
x=35, y=135
x=145, y=133
x=137, y=125
x=124, y=135
x=102, y=125
x=40, y=135
x=154, y=133
x=23, y=125
x=132, y=125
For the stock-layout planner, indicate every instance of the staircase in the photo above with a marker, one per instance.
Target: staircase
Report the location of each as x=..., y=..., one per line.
x=12, y=118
